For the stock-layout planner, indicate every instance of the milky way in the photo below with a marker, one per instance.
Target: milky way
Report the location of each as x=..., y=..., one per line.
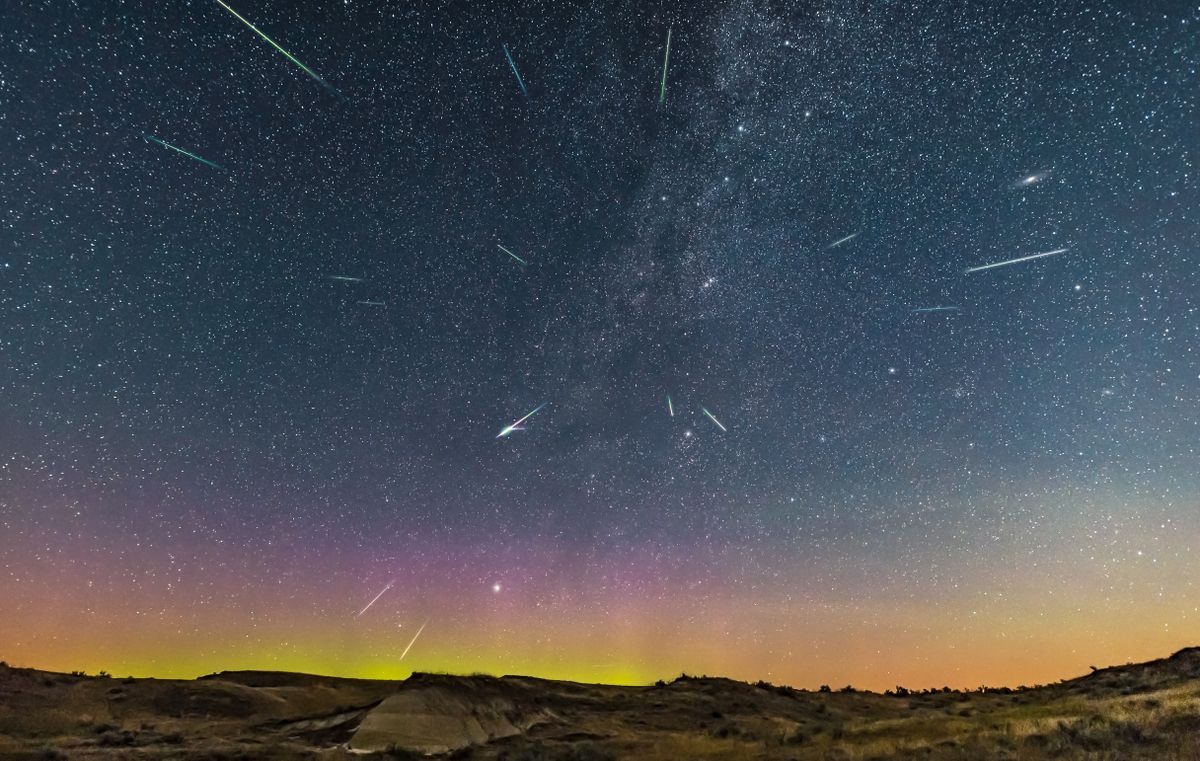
x=236, y=404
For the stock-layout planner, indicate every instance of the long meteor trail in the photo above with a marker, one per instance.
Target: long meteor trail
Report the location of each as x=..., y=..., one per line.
x=516, y=426
x=375, y=599
x=275, y=45
x=165, y=144
x=513, y=64
x=714, y=419
x=670, y=407
x=936, y=309
x=662, y=88
x=1018, y=259
x=510, y=253
x=840, y=241
x=414, y=640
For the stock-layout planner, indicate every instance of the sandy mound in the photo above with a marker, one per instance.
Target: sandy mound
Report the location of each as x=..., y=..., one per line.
x=439, y=715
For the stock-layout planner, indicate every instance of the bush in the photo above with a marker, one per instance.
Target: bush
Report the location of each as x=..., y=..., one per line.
x=826, y=688
x=116, y=739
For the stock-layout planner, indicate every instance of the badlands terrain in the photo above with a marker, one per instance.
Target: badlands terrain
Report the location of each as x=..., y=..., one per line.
x=1137, y=711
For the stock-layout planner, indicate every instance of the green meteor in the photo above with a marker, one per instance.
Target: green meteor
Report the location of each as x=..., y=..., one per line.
x=291, y=57
x=510, y=253
x=713, y=418
x=509, y=429
x=662, y=90
x=180, y=150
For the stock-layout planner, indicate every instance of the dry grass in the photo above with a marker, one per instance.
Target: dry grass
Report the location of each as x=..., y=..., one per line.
x=1135, y=713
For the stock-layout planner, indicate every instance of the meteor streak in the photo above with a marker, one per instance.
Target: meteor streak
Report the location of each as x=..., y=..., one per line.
x=371, y=303
x=516, y=426
x=662, y=88
x=180, y=150
x=840, y=241
x=513, y=64
x=714, y=419
x=346, y=278
x=510, y=253
x=414, y=640
x=936, y=309
x=275, y=45
x=375, y=598
x=1018, y=259
x=670, y=407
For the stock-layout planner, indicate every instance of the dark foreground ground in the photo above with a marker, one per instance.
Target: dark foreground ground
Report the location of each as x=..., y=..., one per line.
x=1138, y=711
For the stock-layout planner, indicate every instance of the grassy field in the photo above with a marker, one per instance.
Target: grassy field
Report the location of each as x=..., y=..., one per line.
x=1139, y=711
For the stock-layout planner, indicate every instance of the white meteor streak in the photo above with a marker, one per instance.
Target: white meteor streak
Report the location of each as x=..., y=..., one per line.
x=375, y=599
x=414, y=640
x=1018, y=259
x=714, y=419
x=840, y=241
x=516, y=426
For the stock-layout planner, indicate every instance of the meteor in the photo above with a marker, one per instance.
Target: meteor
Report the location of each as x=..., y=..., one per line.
x=375, y=598
x=662, y=88
x=510, y=253
x=414, y=640
x=371, y=303
x=513, y=64
x=1018, y=259
x=180, y=150
x=670, y=407
x=516, y=426
x=275, y=45
x=714, y=419
x=346, y=278
x=840, y=241
x=936, y=309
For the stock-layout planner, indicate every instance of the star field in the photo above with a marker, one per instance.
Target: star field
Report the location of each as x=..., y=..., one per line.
x=237, y=401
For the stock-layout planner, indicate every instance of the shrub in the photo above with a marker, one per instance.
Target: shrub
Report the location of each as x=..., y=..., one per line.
x=116, y=739
x=825, y=688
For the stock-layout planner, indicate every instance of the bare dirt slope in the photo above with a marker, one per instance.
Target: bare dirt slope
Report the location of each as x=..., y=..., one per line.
x=1138, y=711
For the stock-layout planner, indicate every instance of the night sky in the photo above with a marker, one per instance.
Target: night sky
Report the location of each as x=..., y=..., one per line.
x=216, y=450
